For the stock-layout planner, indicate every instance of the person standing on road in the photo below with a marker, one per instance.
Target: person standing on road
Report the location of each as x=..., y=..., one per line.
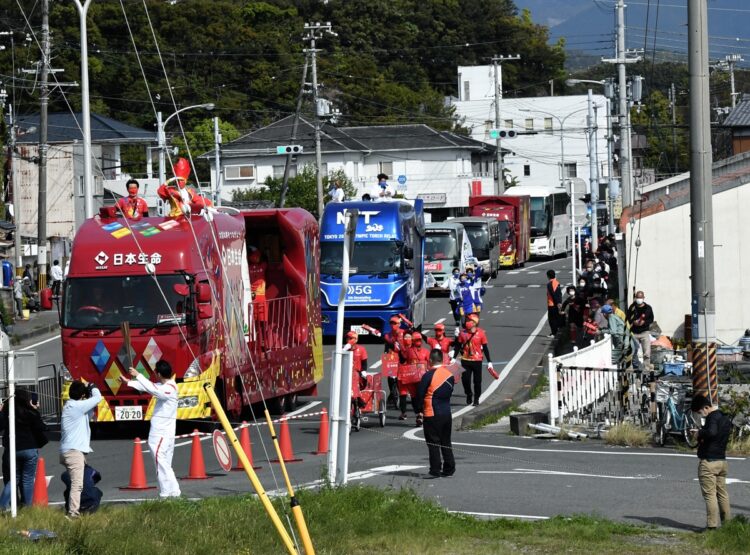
x=29, y=439
x=18, y=296
x=640, y=318
x=163, y=423
x=434, y=404
x=75, y=438
x=554, y=302
x=712, y=457
x=453, y=284
x=391, y=340
x=472, y=344
x=466, y=296
x=56, y=274
x=440, y=341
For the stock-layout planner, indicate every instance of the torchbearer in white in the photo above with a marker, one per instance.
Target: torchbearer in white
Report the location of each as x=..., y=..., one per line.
x=163, y=423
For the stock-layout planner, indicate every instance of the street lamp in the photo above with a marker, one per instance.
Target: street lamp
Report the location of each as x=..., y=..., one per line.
x=88, y=192
x=161, y=138
x=562, y=121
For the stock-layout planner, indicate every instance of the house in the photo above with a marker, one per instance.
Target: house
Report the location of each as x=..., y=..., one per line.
x=551, y=139
x=65, y=201
x=440, y=167
x=738, y=122
x=659, y=262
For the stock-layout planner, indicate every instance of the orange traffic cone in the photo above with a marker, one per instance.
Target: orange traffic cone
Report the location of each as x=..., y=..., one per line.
x=197, y=469
x=323, y=434
x=285, y=444
x=39, y=498
x=246, y=447
x=137, y=471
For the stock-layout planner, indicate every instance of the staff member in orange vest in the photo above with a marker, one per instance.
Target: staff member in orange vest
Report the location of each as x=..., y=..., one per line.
x=554, y=302
x=440, y=341
x=472, y=344
x=132, y=207
x=257, y=269
x=434, y=404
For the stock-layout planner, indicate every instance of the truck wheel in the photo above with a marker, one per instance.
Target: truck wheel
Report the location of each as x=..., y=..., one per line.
x=290, y=402
x=275, y=405
x=494, y=274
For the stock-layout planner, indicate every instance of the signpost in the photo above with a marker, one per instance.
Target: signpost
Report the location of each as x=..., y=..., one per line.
x=401, y=183
x=222, y=451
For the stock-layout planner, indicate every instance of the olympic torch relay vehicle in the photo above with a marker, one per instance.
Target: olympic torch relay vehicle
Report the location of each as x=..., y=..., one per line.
x=386, y=273
x=227, y=297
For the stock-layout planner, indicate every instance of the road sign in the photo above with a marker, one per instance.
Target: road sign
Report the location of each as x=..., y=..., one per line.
x=402, y=179
x=222, y=451
x=581, y=215
x=579, y=186
x=289, y=149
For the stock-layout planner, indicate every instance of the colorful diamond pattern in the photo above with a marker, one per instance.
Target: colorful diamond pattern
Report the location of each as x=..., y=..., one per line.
x=150, y=231
x=122, y=356
x=152, y=354
x=142, y=369
x=114, y=226
x=112, y=378
x=100, y=356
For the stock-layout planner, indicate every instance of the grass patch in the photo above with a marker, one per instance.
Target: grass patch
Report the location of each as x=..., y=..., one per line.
x=492, y=417
x=738, y=446
x=352, y=520
x=539, y=386
x=628, y=435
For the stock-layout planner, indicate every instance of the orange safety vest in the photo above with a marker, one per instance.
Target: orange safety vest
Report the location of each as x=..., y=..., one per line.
x=555, y=284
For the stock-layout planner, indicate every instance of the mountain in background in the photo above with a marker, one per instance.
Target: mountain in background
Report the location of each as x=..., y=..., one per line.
x=588, y=26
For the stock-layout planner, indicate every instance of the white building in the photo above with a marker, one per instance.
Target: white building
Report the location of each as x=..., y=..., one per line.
x=550, y=129
x=661, y=266
x=440, y=167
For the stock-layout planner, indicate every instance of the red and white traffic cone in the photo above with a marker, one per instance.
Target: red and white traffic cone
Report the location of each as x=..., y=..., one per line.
x=197, y=469
x=246, y=447
x=137, y=470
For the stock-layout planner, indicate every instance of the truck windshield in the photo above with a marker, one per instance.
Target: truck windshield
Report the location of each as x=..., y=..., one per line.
x=106, y=302
x=479, y=237
x=440, y=245
x=370, y=257
x=506, y=230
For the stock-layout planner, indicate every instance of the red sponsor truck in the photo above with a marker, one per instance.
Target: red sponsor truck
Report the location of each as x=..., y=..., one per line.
x=185, y=285
x=513, y=213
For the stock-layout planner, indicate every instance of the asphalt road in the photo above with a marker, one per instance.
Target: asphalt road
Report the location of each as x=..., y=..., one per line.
x=497, y=474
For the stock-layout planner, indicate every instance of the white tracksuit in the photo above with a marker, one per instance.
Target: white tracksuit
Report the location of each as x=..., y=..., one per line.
x=161, y=436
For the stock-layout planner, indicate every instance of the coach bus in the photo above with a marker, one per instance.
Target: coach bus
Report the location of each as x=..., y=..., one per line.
x=550, y=223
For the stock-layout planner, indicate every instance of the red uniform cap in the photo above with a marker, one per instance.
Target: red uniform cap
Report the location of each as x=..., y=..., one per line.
x=395, y=320
x=352, y=335
x=416, y=336
x=440, y=327
x=473, y=317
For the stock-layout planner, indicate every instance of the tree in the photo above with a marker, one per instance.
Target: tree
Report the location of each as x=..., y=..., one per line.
x=302, y=189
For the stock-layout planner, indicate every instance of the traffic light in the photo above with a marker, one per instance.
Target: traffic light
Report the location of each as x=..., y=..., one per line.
x=289, y=149
x=503, y=134
x=586, y=198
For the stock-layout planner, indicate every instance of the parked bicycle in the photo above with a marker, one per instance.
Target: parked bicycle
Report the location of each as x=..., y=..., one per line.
x=675, y=417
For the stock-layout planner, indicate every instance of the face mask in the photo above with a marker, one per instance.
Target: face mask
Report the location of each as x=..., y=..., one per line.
x=463, y=280
x=133, y=191
x=589, y=268
x=456, y=274
x=639, y=301
x=598, y=268
x=581, y=284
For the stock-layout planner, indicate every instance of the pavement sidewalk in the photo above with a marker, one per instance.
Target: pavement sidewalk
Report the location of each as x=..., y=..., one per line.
x=39, y=323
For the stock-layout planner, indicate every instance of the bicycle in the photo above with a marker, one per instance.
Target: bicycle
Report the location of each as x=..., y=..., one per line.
x=671, y=420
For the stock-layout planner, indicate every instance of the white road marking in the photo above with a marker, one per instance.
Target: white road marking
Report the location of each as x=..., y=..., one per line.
x=510, y=286
x=540, y=264
x=40, y=343
x=731, y=480
x=376, y=364
x=534, y=272
x=353, y=476
x=512, y=272
x=534, y=472
x=495, y=311
x=534, y=285
x=303, y=408
x=500, y=515
x=439, y=322
x=495, y=383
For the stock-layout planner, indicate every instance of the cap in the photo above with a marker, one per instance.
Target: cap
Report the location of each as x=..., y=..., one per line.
x=395, y=320
x=440, y=326
x=351, y=335
x=473, y=317
x=416, y=335
x=607, y=309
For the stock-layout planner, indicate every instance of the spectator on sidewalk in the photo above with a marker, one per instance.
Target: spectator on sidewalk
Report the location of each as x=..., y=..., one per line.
x=640, y=318
x=28, y=273
x=712, y=463
x=56, y=274
x=616, y=328
x=554, y=302
x=433, y=401
x=18, y=296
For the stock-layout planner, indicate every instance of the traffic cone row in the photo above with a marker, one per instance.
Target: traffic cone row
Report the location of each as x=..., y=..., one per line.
x=246, y=447
x=285, y=443
x=197, y=469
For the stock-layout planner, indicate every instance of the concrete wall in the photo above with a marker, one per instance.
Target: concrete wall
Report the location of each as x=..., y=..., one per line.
x=663, y=264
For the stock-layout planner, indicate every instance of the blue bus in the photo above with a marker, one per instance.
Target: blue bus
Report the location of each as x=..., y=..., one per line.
x=387, y=269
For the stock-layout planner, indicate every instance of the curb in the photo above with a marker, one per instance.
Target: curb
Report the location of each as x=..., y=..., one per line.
x=518, y=397
x=18, y=338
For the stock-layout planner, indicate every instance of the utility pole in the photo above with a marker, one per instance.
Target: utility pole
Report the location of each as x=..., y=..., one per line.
x=217, y=162
x=315, y=31
x=701, y=205
x=88, y=188
x=16, y=194
x=673, y=106
x=610, y=179
x=41, y=237
x=593, y=170
x=295, y=126
x=497, y=64
x=730, y=60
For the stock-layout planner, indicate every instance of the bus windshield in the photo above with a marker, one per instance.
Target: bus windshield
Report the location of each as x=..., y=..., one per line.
x=370, y=257
x=479, y=237
x=440, y=245
x=106, y=302
x=539, y=217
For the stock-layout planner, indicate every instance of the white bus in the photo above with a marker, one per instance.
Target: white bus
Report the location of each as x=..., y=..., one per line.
x=550, y=223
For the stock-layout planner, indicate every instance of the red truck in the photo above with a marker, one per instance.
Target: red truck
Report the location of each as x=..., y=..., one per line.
x=513, y=215
x=185, y=286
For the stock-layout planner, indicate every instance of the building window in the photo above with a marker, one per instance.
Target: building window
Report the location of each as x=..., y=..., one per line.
x=467, y=96
x=386, y=167
x=526, y=170
x=529, y=124
x=548, y=126
x=570, y=170
x=239, y=172
x=508, y=124
x=278, y=171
